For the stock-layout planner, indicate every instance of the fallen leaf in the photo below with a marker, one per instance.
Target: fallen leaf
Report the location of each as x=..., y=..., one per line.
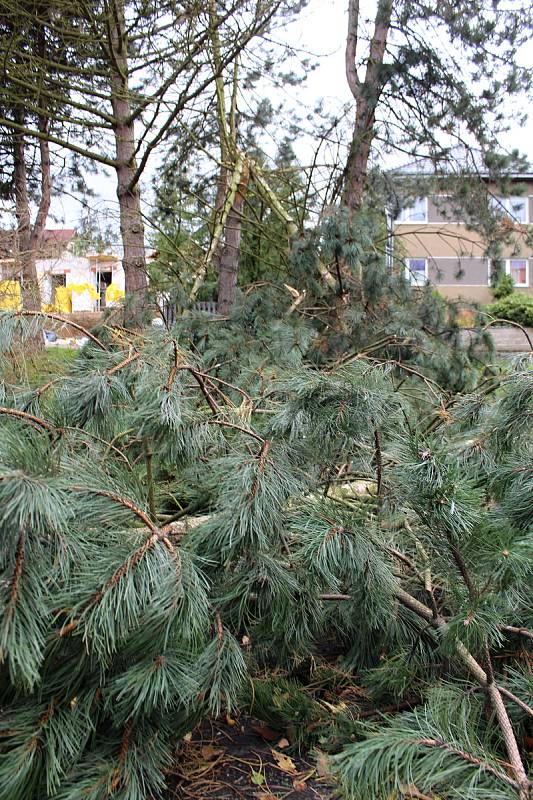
x=299, y=785
x=284, y=762
x=283, y=743
x=322, y=764
x=268, y=796
x=265, y=732
x=257, y=778
x=208, y=751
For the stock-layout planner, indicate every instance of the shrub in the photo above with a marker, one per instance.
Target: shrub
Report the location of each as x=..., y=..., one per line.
x=516, y=307
x=503, y=287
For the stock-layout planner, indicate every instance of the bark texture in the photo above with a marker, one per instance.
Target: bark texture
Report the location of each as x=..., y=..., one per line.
x=129, y=200
x=229, y=257
x=366, y=93
x=29, y=236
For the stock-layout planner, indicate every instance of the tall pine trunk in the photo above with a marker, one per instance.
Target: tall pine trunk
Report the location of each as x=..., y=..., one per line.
x=356, y=170
x=26, y=256
x=366, y=93
x=129, y=200
x=30, y=236
x=229, y=258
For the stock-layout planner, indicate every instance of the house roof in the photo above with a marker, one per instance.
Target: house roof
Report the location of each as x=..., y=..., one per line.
x=59, y=235
x=459, y=159
x=53, y=243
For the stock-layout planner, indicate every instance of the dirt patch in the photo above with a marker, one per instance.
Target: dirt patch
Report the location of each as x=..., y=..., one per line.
x=243, y=759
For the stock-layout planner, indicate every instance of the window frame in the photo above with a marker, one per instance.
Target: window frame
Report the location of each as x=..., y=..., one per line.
x=401, y=218
x=508, y=262
x=504, y=205
x=410, y=273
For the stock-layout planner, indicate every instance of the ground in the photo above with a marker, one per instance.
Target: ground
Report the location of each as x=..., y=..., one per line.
x=243, y=759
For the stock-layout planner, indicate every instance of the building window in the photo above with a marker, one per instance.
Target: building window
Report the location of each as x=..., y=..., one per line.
x=416, y=271
x=518, y=208
x=104, y=278
x=513, y=207
x=56, y=282
x=417, y=212
x=518, y=269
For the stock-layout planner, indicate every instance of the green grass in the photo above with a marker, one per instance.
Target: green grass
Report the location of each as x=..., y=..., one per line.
x=37, y=368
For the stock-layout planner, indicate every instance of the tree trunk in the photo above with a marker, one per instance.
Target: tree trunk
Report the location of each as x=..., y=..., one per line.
x=356, y=170
x=27, y=270
x=129, y=200
x=366, y=94
x=229, y=258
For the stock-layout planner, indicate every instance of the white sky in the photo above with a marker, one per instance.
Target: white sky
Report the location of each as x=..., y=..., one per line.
x=320, y=30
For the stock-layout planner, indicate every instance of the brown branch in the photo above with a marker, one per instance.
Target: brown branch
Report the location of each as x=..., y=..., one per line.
x=117, y=576
x=123, y=501
x=226, y=383
x=334, y=597
x=220, y=628
x=31, y=418
x=15, y=583
x=201, y=383
x=156, y=535
x=519, y=631
x=38, y=392
x=225, y=424
x=124, y=747
x=520, y=703
x=109, y=445
x=462, y=568
x=263, y=455
x=515, y=324
x=173, y=369
x=351, y=49
x=468, y=757
x=260, y=467
x=379, y=460
x=124, y=363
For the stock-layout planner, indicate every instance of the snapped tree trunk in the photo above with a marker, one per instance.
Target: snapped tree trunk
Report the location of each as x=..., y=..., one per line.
x=129, y=200
x=229, y=257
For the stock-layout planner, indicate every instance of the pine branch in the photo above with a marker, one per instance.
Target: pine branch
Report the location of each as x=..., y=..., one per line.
x=502, y=776
x=58, y=318
x=379, y=460
x=31, y=418
x=17, y=574
x=519, y=631
x=520, y=703
x=124, y=363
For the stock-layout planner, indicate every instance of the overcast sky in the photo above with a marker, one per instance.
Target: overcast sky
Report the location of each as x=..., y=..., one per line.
x=319, y=31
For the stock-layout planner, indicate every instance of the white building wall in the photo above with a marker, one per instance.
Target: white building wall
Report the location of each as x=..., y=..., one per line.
x=78, y=270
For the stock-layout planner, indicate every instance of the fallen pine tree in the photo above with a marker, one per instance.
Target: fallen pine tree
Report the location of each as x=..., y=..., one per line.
x=349, y=502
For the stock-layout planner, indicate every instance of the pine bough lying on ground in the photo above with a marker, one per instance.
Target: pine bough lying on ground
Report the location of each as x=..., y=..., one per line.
x=349, y=507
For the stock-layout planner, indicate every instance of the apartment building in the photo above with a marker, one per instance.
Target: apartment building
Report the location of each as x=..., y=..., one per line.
x=436, y=246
